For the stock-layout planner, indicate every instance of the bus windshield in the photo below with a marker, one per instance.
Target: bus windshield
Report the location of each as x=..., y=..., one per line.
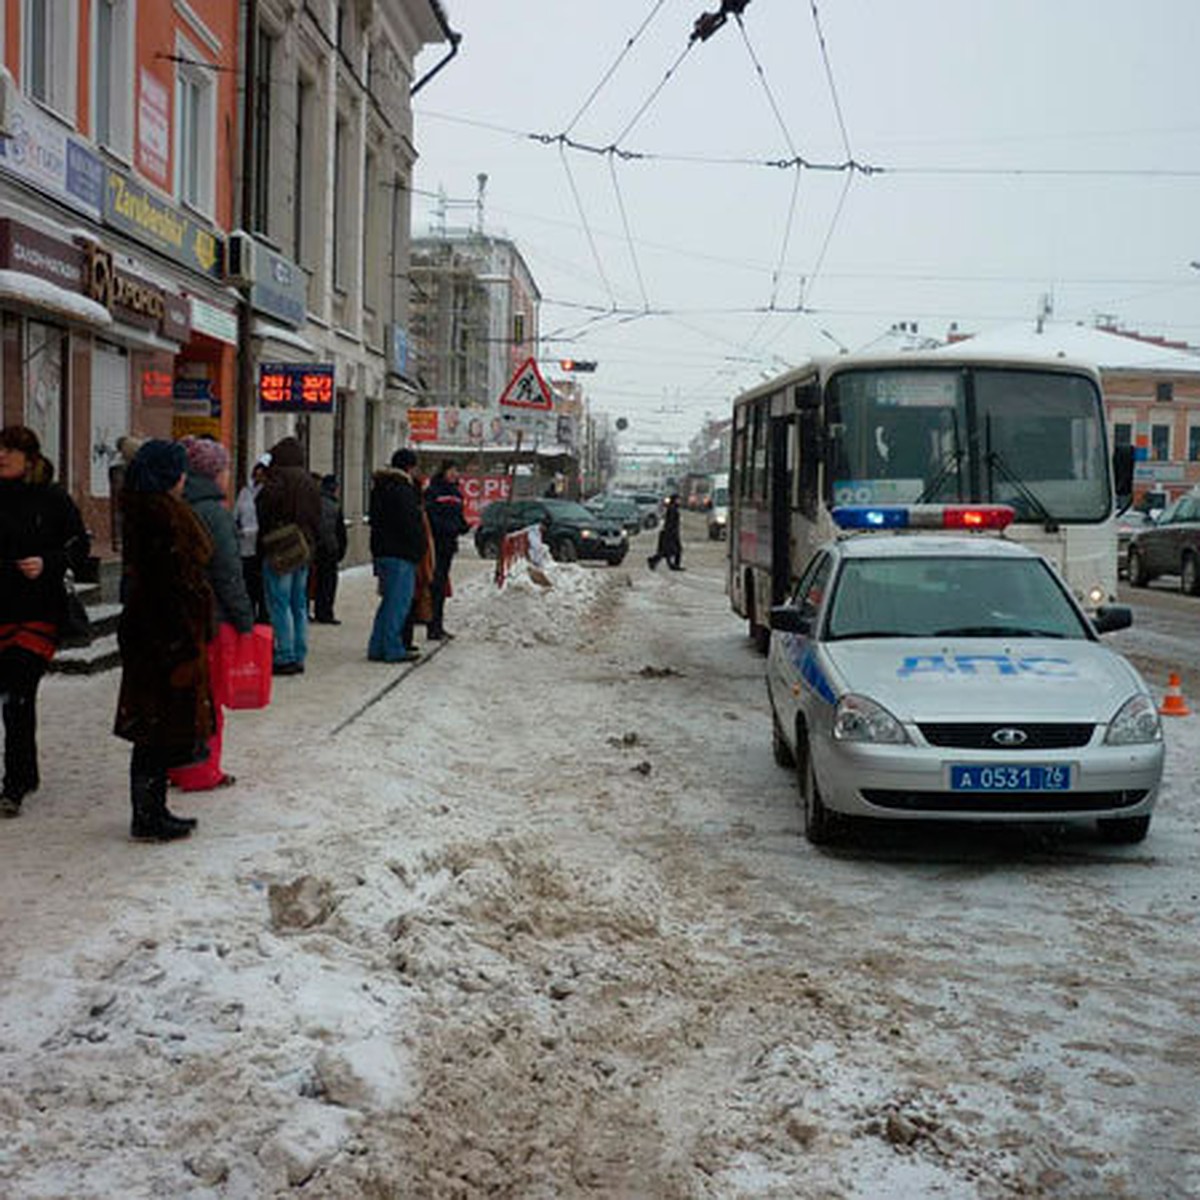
x=1032, y=439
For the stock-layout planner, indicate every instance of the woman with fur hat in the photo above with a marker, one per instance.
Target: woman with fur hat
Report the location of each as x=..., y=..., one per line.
x=41, y=535
x=165, y=705
x=207, y=482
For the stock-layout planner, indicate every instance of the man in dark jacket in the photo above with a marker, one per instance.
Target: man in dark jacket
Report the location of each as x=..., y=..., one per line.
x=331, y=549
x=289, y=524
x=444, y=507
x=397, y=544
x=669, y=545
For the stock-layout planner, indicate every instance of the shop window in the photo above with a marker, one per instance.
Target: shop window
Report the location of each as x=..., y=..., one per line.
x=194, y=131
x=1194, y=444
x=50, y=44
x=1160, y=443
x=44, y=377
x=112, y=53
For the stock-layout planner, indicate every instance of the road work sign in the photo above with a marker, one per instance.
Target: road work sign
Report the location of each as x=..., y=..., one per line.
x=527, y=389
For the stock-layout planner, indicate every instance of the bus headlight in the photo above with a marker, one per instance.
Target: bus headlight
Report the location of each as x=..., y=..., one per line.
x=1096, y=596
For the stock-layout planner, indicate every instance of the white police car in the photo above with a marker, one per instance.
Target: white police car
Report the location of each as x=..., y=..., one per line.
x=951, y=677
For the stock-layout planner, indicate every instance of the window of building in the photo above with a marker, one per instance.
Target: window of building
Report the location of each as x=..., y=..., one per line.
x=1122, y=433
x=195, y=137
x=263, y=146
x=1164, y=390
x=518, y=329
x=112, y=59
x=1160, y=443
x=300, y=199
x=373, y=252
x=50, y=46
x=341, y=210
x=1194, y=443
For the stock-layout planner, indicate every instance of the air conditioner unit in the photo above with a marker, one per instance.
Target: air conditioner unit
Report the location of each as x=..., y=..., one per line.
x=240, y=258
x=8, y=103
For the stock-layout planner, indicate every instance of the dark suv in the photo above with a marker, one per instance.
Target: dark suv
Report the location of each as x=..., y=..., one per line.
x=574, y=532
x=1171, y=546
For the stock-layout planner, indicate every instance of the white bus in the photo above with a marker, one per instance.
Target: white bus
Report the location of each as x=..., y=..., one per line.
x=938, y=426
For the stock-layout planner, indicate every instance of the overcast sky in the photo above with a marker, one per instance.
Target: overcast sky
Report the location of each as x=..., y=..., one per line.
x=1024, y=148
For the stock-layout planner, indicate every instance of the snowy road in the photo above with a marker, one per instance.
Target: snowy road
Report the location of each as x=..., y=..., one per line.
x=539, y=922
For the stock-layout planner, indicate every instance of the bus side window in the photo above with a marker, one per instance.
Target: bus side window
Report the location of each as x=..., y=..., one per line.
x=808, y=467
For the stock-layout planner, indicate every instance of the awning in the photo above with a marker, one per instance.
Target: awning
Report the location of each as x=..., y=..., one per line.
x=42, y=296
x=282, y=335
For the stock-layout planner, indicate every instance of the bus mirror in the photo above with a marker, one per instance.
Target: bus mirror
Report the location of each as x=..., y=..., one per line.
x=1122, y=457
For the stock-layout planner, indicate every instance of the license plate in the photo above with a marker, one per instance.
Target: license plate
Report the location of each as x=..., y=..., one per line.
x=1023, y=778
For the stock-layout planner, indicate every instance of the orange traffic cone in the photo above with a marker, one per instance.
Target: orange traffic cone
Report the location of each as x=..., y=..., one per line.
x=1174, y=705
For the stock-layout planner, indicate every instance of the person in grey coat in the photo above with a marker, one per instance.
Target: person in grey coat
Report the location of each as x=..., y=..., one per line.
x=205, y=490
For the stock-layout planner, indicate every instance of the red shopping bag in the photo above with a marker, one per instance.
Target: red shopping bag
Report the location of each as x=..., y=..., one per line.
x=245, y=667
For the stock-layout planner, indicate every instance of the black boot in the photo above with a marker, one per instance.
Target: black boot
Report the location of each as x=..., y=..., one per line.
x=151, y=820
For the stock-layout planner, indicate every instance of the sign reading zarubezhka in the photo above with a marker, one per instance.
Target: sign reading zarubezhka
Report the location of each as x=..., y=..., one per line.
x=295, y=387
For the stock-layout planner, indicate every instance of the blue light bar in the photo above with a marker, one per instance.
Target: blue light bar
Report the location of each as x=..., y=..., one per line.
x=871, y=516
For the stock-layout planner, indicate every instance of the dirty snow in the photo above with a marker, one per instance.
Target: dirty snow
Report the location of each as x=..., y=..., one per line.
x=538, y=921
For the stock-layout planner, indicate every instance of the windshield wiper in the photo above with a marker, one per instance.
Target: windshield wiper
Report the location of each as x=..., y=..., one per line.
x=996, y=631
x=866, y=634
x=995, y=459
x=952, y=461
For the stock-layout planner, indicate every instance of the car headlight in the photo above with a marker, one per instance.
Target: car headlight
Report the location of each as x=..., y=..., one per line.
x=587, y=533
x=1135, y=724
x=857, y=719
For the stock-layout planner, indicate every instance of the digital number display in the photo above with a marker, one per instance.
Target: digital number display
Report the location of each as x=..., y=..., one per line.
x=295, y=387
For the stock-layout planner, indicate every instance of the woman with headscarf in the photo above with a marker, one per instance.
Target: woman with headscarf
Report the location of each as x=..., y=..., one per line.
x=165, y=705
x=205, y=489
x=41, y=535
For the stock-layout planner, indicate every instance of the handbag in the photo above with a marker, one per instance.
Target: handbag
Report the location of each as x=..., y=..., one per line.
x=285, y=549
x=76, y=627
x=245, y=666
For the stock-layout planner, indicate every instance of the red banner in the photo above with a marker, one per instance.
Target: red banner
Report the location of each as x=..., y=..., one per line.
x=480, y=490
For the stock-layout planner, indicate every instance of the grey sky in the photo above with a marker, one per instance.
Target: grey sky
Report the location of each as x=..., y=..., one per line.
x=1100, y=93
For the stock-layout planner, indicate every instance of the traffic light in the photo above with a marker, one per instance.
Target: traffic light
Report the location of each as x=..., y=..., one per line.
x=576, y=364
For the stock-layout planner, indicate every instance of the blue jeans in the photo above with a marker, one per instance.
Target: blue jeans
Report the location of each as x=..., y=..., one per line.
x=397, y=578
x=287, y=604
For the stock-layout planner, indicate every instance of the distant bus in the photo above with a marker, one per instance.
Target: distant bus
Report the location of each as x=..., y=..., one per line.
x=939, y=426
x=695, y=491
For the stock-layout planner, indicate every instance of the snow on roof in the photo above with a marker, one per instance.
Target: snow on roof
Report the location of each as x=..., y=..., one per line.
x=1083, y=343
x=20, y=288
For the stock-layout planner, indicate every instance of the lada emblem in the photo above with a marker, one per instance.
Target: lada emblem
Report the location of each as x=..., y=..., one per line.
x=1010, y=737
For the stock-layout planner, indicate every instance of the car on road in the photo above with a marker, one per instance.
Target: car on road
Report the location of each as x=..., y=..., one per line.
x=952, y=677
x=649, y=505
x=1128, y=523
x=573, y=531
x=718, y=513
x=622, y=509
x=1170, y=546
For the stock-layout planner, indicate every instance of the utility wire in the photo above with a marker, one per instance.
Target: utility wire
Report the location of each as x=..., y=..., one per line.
x=611, y=70
x=637, y=116
x=637, y=270
x=837, y=105
x=587, y=229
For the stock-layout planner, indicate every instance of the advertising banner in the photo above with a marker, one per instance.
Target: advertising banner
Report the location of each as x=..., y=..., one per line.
x=480, y=490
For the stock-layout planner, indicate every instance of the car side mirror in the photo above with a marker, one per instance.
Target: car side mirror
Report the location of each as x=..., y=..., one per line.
x=786, y=618
x=1111, y=617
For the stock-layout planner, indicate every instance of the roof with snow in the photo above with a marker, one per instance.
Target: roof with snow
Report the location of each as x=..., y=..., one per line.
x=1105, y=349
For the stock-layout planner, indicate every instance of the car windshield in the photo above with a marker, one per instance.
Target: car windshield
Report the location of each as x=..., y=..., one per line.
x=914, y=596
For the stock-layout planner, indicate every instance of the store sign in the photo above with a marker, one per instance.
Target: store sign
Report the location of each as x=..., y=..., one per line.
x=154, y=137
x=397, y=346
x=295, y=387
x=423, y=424
x=131, y=299
x=213, y=322
x=41, y=152
x=25, y=249
x=157, y=384
x=280, y=287
x=138, y=212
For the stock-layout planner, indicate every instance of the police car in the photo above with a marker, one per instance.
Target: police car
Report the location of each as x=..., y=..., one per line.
x=951, y=675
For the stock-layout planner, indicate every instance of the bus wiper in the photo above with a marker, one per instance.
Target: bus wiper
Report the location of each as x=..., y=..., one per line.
x=995, y=459
x=952, y=462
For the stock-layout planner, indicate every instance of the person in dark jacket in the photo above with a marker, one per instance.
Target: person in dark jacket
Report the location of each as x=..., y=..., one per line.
x=331, y=549
x=165, y=704
x=205, y=490
x=41, y=535
x=669, y=546
x=397, y=545
x=289, y=508
x=444, y=506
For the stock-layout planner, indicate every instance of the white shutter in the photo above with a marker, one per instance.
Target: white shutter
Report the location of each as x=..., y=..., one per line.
x=110, y=410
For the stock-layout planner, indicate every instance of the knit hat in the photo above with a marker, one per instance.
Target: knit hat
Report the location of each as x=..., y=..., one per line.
x=404, y=459
x=21, y=438
x=156, y=467
x=205, y=457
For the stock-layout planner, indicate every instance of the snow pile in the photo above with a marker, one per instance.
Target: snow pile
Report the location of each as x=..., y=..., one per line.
x=524, y=613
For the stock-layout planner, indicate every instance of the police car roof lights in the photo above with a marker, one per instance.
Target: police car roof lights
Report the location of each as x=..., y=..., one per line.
x=967, y=517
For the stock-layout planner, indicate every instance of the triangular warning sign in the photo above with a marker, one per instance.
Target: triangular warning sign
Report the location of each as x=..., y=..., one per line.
x=527, y=389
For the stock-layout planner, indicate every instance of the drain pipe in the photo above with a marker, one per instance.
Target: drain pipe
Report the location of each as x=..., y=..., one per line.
x=451, y=36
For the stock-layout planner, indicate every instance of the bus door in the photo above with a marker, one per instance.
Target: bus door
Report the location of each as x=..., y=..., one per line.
x=780, y=500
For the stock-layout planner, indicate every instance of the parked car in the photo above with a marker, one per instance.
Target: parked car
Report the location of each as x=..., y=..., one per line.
x=1171, y=546
x=718, y=513
x=573, y=533
x=1128, y=523
x=622, y=509
x=956, y=678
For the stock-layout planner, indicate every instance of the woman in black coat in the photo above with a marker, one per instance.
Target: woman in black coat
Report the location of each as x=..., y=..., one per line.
x=165, y=703
x=41, y=535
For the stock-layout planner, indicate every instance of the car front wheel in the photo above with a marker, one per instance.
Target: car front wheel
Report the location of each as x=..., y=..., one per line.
x=1124, y=831
x=564, y=551
x=779, y=746
x=821, y=826
x=1189, y=575
x=1137, y=570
